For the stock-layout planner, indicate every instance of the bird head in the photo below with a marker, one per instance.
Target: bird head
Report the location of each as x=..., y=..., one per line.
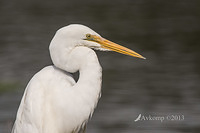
x=73, y=40
x=79, y=35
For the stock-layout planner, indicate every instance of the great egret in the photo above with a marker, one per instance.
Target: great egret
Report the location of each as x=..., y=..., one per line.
x=53, y=102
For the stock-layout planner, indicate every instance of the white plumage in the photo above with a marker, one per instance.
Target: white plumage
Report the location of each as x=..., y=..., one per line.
x=53, y=102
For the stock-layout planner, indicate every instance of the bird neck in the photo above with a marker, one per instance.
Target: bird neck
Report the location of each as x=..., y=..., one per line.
x=90, y=71
x=89, y=82
x=80, y=59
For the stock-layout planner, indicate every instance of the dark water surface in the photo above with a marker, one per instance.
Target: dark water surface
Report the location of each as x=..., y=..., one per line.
x=167, y=33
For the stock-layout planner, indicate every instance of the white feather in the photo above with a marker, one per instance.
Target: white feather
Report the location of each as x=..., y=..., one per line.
x=53, y=102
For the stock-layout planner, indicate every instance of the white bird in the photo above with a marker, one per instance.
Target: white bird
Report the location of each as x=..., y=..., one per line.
x=53, y=102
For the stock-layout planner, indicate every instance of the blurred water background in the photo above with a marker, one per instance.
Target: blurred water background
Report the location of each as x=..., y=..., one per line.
x=167, y=33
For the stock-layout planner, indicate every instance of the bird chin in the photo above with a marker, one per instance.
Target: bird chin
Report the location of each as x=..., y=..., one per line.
x=101, y=49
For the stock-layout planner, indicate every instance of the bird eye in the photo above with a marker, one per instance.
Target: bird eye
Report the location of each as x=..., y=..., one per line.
x=88, y=35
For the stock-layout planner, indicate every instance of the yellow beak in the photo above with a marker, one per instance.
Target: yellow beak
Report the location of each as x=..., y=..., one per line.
x=113, y=46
